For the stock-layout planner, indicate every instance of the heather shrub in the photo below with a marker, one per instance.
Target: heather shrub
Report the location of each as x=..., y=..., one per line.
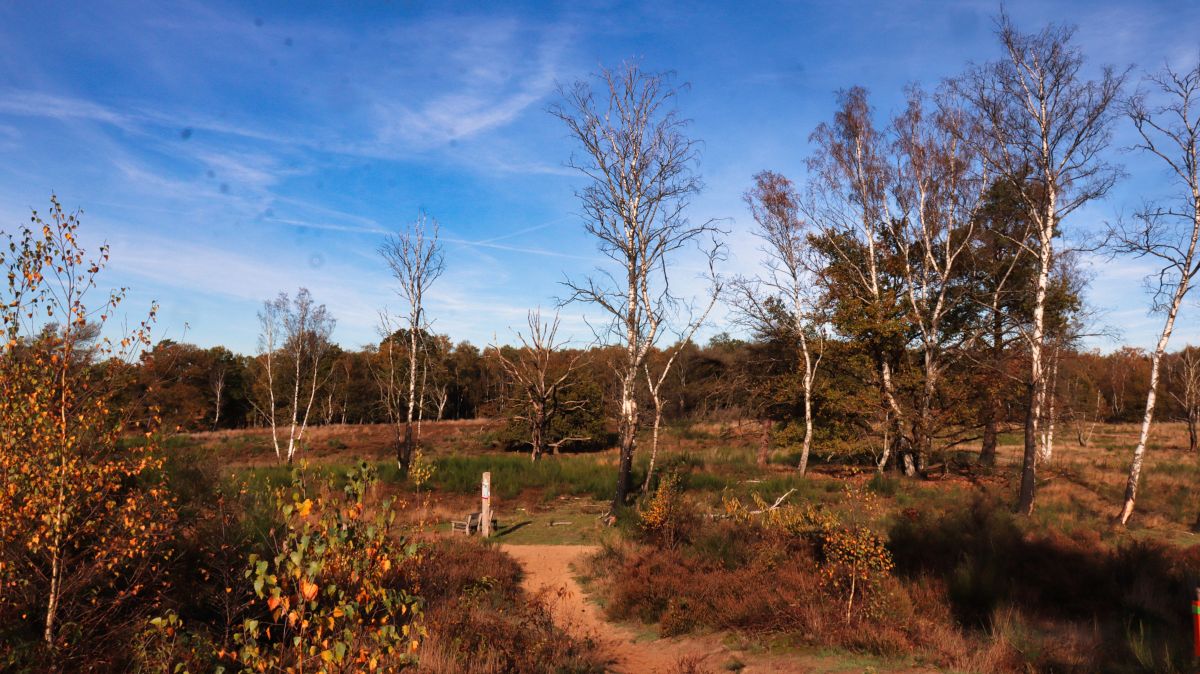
x=479, y=621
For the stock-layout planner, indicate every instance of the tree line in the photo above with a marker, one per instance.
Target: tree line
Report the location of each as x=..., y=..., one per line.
x=929, y=263
x=751, y=379
x=920, y=289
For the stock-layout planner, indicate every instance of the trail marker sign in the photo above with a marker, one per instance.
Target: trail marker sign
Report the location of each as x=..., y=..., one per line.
x=485, y=513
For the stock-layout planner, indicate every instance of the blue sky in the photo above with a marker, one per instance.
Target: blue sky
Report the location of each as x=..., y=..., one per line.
x=230, y=151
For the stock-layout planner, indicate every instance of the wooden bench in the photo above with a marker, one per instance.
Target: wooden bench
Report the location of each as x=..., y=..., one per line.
x=470, y=526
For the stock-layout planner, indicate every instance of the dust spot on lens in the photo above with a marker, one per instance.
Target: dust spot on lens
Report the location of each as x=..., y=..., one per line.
x=185, y=134
x=224, y=188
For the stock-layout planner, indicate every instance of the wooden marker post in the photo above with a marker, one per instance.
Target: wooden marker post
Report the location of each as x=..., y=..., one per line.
x=485, y=513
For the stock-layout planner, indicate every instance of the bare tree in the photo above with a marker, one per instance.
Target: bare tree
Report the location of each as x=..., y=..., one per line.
x=1185, y=371
x=1166, y=233
x=787, y=281
x=1044, y=129
x=441, y=396
x=415, y=258
x=541, y=376
x=639, y=169
x=388, y=367
x=293, y=342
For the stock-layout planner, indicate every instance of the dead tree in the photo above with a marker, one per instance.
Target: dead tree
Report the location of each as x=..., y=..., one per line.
x=1043, y=130
x=787, y=281
x=639, y=165
x=1166, y=233
x=541, y=377
x=293, y=342
x=440, y=396
x=415, y=257
x=388, y=370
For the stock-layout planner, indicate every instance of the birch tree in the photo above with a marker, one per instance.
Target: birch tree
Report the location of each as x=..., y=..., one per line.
x=294, y=340
x=939, y=188
x=847, y=202
x=72, y=529
x=415, y=258
x=216, y=384
x=1165, y=233
x=1043, y=130
x=638, y=165
x=788, y=279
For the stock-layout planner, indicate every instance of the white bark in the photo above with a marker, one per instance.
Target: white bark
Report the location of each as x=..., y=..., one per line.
x=1171, y=133
x=638, y=165
x=415, y=258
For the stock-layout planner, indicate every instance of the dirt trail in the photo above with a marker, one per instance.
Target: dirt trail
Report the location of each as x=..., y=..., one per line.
x=548, y=567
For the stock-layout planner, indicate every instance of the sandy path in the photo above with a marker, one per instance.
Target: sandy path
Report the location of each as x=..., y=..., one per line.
x=548, y=567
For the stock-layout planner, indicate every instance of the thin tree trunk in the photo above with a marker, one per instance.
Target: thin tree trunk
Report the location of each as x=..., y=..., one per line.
x=887, y=444
x=653, y=444
x=218, y=388
x=1046, y=451
x=810, y=371
x=407, y=448
x=421, y=396
x=1139, y=452
x=56, y=569
x=537, y=439
x=291, y=446
x=889, y=397
x=1037, y=375
x=629, y=422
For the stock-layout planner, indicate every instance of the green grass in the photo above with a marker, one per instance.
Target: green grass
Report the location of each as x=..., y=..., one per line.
x=570, y=523
x=512, y=474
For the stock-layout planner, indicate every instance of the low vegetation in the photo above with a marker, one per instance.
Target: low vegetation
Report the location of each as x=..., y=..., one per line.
x=908, y=453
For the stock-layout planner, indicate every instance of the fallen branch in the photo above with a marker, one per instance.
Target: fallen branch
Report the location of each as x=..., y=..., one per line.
x=555, y=446
x=776, y=504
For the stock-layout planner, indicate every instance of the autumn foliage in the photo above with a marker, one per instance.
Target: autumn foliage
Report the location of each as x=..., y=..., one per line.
x=82, y=523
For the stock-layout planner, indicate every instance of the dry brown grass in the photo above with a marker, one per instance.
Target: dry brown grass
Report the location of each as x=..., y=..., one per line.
x=338, y=443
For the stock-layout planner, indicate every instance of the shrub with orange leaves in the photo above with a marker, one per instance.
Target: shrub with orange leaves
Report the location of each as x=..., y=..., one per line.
x=856, y=562
x=664, y=517
x=83, y=522
x=339, y=596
